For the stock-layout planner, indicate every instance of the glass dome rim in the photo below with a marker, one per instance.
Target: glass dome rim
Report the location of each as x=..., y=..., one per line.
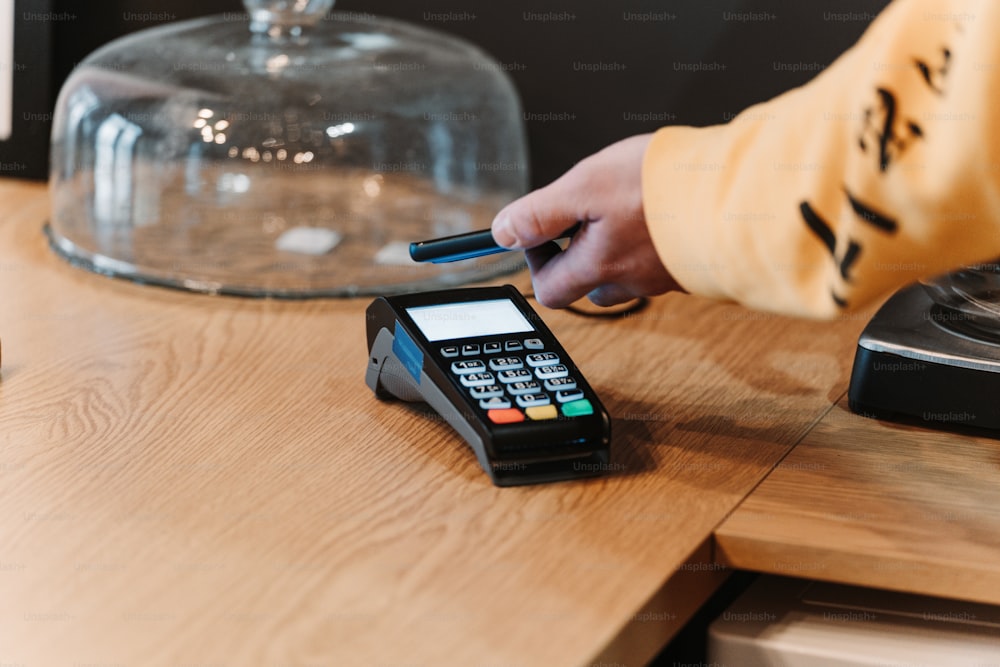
x=118, y=269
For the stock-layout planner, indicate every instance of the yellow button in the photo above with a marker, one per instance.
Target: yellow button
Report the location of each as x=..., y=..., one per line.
x=542, y=412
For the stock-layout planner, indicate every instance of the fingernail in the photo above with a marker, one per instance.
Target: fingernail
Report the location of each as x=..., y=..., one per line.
x=503, y=232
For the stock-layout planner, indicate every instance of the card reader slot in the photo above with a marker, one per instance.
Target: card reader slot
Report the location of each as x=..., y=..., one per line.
x=578, y=445
x=516, y=472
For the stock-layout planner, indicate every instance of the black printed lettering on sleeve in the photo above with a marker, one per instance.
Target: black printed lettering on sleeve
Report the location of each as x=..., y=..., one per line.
x=887, y=132
x=818, y=226
x=882, y=127
x=936, y=74
x=821, y=228
x=870, y=215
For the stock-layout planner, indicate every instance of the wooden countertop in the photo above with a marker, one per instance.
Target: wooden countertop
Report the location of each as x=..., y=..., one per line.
x=877, y=504
x=187, y=479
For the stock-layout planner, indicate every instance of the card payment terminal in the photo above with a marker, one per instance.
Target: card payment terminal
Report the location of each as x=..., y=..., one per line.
x=485, y=361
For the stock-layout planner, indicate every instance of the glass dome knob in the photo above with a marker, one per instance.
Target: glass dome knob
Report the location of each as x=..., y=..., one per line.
x=279, y=17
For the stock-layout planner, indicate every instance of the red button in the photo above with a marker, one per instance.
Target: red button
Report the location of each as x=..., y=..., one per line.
x=505, y=415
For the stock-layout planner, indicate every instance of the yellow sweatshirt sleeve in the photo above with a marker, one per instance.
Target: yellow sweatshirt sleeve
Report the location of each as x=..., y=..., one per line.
x=882, y=170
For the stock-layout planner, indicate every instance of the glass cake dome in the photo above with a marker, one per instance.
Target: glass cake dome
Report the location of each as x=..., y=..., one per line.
x=294, y=152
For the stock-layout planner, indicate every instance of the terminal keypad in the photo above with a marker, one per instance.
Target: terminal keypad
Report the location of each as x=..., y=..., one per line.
x=518, y=380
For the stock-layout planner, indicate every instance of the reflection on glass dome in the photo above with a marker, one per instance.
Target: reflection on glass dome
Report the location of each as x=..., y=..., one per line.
x=275, y=157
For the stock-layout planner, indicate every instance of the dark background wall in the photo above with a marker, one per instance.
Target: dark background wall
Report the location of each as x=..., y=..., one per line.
x=601, y=70
x=589, y=72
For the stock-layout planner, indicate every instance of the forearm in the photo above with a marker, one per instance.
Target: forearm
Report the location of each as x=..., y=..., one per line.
x=877, y=173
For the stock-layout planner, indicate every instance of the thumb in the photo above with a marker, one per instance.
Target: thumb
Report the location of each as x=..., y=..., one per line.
x=539, y=216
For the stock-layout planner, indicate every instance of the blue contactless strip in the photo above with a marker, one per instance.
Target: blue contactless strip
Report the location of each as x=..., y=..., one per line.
x=407, y=352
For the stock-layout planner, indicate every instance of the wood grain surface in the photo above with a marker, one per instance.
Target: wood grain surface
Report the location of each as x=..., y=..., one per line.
x=198, y=480
x=877, y=504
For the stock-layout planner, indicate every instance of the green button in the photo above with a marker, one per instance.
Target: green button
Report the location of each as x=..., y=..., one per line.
x=578, y=408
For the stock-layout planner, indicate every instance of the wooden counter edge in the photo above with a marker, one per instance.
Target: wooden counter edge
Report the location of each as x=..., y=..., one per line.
x=677, y=600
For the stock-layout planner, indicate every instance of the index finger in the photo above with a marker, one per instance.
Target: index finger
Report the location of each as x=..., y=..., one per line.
x=543, y=215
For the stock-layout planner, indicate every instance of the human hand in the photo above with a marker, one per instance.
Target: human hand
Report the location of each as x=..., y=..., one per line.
x=611, y=259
